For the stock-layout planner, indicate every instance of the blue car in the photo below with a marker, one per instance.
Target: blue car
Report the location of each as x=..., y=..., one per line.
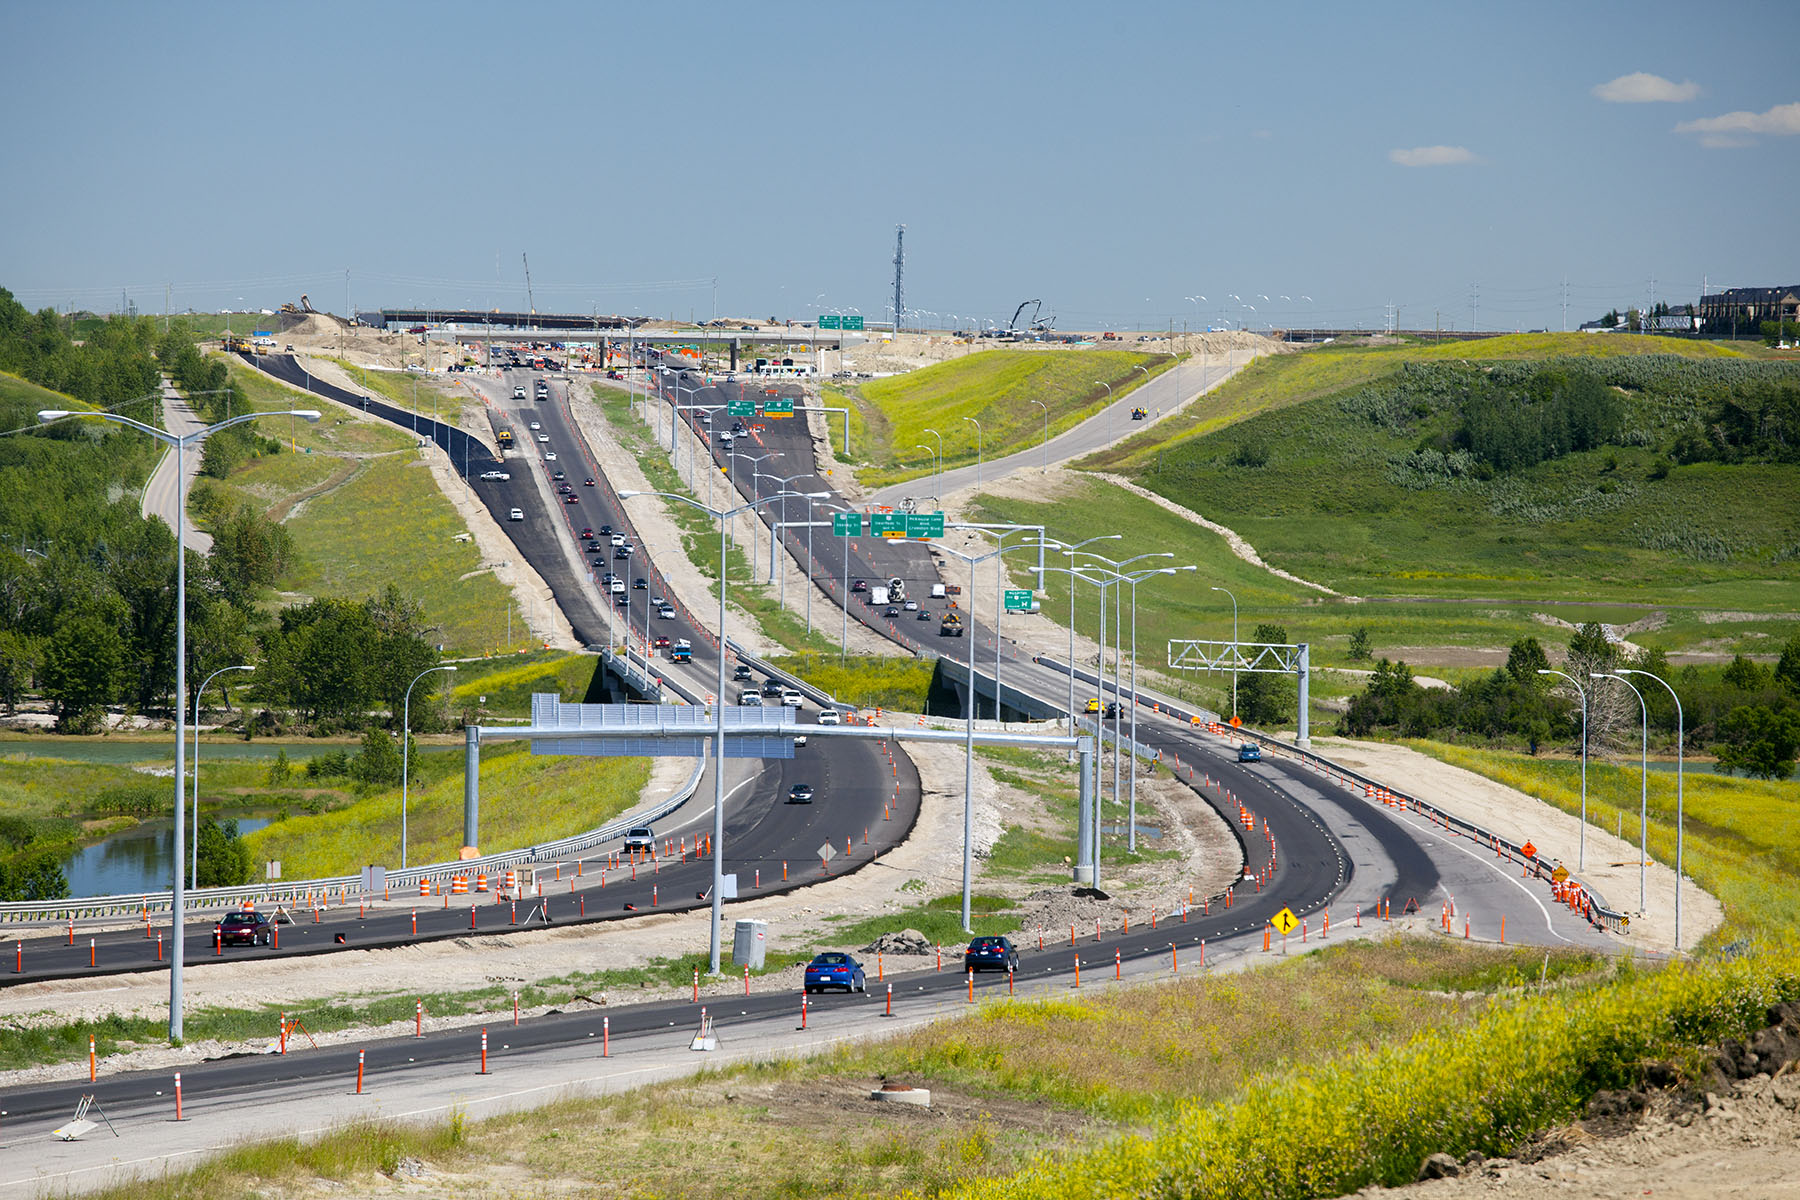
x=990, y=953
x=835, y=970
x=1249, y=752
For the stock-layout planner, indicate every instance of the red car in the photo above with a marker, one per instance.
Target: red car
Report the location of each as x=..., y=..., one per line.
x=245, y=928
x=587, y=483
x=571, y=499
x=661, y=642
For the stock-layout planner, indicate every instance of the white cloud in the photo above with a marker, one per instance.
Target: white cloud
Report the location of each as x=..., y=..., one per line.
x=1736, y=128
x=1640, y=87
x=1433, y=156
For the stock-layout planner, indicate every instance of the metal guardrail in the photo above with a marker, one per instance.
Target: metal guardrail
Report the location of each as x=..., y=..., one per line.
x=401, y=881
x=1595, y=910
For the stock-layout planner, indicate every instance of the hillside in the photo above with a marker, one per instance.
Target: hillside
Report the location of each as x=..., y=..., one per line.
x=1678, y=477
x=995, y=387
x=1279, y=381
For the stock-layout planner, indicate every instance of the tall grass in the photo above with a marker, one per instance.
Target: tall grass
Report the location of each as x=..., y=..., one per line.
x=509, y=683
x=1326, y=1128
x=526, y=799
x=867, y=681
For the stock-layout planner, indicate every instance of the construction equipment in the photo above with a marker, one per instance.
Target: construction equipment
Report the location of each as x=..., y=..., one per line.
x=951, y=625
x=530, y=302
x=1012, y=326
x=231, y=343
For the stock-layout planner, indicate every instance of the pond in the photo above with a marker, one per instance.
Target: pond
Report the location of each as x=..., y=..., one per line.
x=120, y=751
x=133, y=860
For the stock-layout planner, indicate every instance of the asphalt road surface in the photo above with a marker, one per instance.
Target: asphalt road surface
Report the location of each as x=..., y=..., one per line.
x=162, y=495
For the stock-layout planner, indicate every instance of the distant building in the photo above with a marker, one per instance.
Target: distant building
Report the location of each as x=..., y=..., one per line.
x=1743, y=310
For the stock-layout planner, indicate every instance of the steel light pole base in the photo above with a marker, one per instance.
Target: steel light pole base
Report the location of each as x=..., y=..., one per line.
x=1084, y=876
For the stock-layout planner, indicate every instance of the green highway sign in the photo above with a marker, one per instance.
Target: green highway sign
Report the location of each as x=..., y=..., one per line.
x=778, y=408
x=833, y=321
x=846, y=524
x=853, y=323
x=925, y=525
x=1018, y=600
x=887, y=524
x=740, y=408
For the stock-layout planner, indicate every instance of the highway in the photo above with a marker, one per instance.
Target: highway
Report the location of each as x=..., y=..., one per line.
x=1309, y=845
x=162, y=496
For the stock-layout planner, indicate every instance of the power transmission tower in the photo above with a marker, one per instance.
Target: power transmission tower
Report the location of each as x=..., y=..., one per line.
x=899, y=271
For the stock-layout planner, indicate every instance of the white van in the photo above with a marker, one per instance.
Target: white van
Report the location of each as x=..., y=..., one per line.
x=517, y=514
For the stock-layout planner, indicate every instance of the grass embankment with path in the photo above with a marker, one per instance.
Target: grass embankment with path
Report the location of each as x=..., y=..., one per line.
x=364, y=512
x=996, y=388
x=439, y=396
x=1283, y=380
x=1322, y=490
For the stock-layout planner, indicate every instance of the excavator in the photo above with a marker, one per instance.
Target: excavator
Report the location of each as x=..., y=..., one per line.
x=1037, y=323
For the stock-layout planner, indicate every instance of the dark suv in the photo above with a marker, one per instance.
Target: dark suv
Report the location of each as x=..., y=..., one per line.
x=245, y=929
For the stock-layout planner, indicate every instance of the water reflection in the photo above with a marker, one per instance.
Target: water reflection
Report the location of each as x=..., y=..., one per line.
x=134, y=860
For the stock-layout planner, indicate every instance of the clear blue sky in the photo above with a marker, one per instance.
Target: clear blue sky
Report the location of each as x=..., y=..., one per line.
x=1110, y=160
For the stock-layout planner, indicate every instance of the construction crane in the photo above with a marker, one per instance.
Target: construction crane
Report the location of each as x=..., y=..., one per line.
x=530, y=304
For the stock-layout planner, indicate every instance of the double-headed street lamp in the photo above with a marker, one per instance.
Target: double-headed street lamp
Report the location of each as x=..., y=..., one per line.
x=1643, y=789
x=180, y=442
x=723, y=517
x=1581, y=837
x=199, y=692
x=1114, y=568
x=405, y=749
x=968, y=865
x=1073, y=573
x=784, y=481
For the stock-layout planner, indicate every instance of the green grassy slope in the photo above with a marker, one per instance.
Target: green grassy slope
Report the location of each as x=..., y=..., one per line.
x=1335, y=503
x=1283, y=380
x=995, y=387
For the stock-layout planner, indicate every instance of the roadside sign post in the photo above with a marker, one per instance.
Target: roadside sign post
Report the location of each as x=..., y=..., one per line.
x=1018, y=600
x=846, y=525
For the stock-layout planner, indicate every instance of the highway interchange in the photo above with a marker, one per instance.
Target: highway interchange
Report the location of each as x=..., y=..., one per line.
x=1332, y=847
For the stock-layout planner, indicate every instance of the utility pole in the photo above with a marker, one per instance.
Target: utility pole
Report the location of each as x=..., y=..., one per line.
x=1565, y=303
x=899, y=270
x=1477, y=328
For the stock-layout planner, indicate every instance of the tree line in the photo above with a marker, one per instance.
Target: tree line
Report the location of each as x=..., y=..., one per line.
x=87, y=584
x=1746, y=713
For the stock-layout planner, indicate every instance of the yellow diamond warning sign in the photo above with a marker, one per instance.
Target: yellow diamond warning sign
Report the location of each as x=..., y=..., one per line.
x=1285, y=922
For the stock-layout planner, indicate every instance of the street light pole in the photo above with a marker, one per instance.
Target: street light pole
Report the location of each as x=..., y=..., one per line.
x=723, y=516
x=1045, y=470
x=1581, y=841
x=405, y=752
x=938, y=486
x=1235, y=652
x=199, y=692
x=177, y=895
x=1643, y=790
x=1131, y=810
x=978, y=450
x=1680, y=737
x=1108, y=387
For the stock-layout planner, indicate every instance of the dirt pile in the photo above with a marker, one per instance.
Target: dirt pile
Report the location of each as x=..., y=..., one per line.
x=1731, y=1129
